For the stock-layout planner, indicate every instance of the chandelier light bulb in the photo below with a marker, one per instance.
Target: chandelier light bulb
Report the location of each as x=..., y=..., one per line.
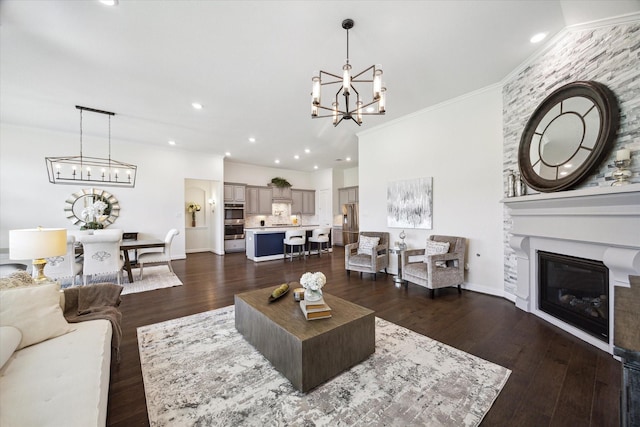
x=359, y=112
x=377, y=82
x=335, y=113
x=315, y=91
x=382, y=101
x=346, y=78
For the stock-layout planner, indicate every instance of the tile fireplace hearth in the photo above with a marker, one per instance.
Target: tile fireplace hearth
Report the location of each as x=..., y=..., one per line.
x=601, y=224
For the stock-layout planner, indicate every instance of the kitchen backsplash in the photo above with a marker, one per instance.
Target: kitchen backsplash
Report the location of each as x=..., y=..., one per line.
x=281, y=214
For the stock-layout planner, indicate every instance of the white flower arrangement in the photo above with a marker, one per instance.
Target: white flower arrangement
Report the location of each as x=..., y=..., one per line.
x=313, y=281
x=193, y=207
x=96, y=210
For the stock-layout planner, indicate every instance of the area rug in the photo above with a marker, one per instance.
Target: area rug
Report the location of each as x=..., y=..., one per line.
x=155, y=277
x=199, y=371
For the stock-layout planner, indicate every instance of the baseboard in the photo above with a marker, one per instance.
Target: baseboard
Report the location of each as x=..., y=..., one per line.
x=510, y=297
x=484, y=289
x=196, y=250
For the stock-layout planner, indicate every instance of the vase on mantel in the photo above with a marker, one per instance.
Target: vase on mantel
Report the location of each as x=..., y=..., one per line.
x=193, y=219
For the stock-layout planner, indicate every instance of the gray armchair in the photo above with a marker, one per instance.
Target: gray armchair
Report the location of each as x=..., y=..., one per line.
x=367, y=261
x=438, y=270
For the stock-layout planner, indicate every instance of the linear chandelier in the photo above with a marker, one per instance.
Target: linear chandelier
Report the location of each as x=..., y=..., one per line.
x=349, y=110
x=91, y=170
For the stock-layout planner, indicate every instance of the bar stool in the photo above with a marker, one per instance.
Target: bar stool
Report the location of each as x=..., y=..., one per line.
x=319, y=236
x=293, y=238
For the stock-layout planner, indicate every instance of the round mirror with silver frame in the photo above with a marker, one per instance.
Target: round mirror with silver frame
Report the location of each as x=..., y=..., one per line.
x=78, y=202
x=568, y=135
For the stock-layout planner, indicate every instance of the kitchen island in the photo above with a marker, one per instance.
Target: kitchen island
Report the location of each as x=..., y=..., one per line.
x=265, y=243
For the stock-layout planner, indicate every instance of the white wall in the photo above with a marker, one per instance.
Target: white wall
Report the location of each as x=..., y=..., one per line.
x=259, y=175
x=154, y=206
x=459, y=144
x=351, y=177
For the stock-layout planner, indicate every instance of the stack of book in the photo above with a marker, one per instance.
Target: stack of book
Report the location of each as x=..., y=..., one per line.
x=315, y=309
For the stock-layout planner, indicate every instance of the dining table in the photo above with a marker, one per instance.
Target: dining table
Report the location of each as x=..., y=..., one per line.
x=128, y=245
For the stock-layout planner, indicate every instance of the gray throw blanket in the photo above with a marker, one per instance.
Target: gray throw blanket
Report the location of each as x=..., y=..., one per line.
x=94, y=302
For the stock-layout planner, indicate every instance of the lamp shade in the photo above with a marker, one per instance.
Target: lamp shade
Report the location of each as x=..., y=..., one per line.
x=37, y=243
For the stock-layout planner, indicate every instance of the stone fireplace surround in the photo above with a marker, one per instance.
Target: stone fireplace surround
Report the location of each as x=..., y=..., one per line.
x=599, y=223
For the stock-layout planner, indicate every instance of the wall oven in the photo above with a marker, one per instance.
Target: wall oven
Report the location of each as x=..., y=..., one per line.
x=234, y=227
x=233, y=211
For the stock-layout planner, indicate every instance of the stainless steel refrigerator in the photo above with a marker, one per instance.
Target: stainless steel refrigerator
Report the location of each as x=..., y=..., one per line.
x=350, y=223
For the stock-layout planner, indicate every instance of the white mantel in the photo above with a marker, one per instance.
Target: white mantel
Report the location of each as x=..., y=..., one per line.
x=600, y=223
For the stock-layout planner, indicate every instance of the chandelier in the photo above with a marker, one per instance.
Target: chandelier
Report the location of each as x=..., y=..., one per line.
x=347, y=87
x=91, y=170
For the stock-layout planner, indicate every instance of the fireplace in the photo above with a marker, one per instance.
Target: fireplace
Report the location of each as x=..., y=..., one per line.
x=588, y=224
x=575, y=290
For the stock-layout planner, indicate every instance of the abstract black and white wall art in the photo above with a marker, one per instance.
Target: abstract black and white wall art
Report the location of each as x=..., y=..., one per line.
x=410, y=203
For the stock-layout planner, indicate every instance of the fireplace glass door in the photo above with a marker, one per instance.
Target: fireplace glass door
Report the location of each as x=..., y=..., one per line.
x=575, y=290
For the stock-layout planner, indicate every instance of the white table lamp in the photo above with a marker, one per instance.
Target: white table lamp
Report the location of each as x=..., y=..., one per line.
x=37, y=244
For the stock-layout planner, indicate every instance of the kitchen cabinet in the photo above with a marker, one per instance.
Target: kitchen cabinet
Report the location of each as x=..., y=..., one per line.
x=347, y=195
x=303, y=201
x=269, y=244
x=259, y=200
x=281, y=193
x=234, y=193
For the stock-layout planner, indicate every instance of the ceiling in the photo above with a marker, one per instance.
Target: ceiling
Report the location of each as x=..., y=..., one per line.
x=249, y=63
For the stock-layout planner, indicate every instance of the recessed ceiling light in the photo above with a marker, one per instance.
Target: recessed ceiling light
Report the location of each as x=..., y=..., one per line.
x=370, y=109
x=315, y=166
x=252, y=139
x=306, y=150
x=348, y=159
x=276, y=161
x=296, y=157
x=172, y=142
x=228, y=154
x=109, y=2
x=538, y=38
x=197, y=106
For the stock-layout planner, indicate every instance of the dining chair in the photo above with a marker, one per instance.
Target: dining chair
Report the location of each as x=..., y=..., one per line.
x=67, y=265
x=159, y=257
x=103, y=231
x=102, y=255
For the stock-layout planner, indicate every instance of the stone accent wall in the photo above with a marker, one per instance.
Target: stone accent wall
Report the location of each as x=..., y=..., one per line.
x=609, y=55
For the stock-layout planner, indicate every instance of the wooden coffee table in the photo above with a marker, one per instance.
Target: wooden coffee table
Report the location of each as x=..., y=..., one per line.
x=307, y=352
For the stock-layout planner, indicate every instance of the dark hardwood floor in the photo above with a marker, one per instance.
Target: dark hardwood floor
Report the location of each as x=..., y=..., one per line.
x=557, y=380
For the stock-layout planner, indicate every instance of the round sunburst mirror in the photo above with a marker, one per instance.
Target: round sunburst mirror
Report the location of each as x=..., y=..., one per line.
x=78, y=208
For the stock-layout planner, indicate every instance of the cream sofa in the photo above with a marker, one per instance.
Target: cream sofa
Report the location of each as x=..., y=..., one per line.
x=61, y=380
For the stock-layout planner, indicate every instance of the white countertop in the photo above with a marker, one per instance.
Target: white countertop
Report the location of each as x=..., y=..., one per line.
x=279, y=229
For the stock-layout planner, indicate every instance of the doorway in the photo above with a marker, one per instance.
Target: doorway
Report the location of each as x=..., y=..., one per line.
x=203, y=227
